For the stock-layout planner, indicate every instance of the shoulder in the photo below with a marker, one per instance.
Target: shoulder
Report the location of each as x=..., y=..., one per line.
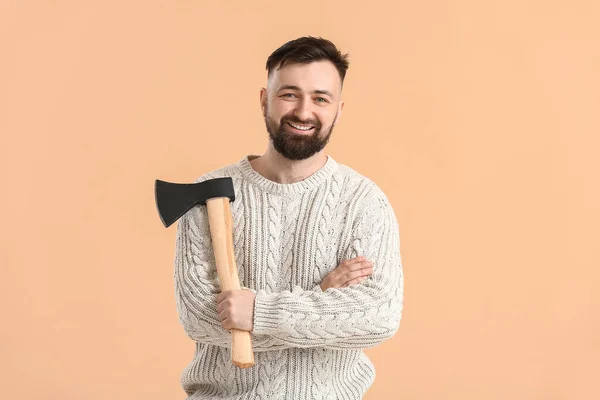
x=364, y=191
x=369, y=207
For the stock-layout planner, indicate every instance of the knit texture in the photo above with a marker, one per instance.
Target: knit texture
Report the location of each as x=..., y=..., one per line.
x=287, y=237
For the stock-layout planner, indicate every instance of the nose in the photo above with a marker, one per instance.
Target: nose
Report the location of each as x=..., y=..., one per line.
x=303, y=110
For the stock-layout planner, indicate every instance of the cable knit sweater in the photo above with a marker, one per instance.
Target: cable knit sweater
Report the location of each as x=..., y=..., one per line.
x=287, y=238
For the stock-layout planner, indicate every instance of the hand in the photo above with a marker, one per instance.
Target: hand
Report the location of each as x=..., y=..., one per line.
x=236, y=309
x=350, y=271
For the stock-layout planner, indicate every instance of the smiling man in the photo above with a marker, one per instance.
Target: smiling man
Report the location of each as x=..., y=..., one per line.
x=317, y=245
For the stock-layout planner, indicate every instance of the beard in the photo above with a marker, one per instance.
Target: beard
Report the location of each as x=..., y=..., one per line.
x=296, y=146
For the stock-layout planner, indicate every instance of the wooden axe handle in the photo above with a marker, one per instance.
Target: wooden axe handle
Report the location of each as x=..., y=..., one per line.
x=221, y=230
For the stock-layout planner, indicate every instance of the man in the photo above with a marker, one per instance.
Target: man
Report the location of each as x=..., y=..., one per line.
x=317, y=246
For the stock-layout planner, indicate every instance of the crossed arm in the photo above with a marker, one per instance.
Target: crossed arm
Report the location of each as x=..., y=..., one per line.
x=358, y=316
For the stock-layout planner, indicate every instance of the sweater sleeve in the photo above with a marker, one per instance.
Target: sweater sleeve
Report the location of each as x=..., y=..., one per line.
x=196, y=280
x=358, y=316
x=197, y=285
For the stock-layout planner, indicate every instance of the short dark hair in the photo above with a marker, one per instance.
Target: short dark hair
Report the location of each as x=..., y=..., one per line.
x=305, y=50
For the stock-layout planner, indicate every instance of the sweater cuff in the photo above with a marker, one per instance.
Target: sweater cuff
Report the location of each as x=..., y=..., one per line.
x=265, y=315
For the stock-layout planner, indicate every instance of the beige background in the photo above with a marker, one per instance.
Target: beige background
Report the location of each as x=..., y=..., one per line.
x=478, y=119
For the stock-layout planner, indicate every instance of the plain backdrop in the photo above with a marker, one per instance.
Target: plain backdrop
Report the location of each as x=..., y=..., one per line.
x=478, y=119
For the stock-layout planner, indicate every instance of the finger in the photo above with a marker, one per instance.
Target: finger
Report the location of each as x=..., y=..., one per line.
x=221, y=296
x=348, y=262
x=226, y=324
x=365, y=272
x=353, y=260
x=347, y=276
x=359, y=265
x=223, y=315
x=353, y=281
x=353, y=271
x=222, y=305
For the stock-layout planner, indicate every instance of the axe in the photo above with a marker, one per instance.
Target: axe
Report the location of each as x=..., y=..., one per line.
x=175, y=199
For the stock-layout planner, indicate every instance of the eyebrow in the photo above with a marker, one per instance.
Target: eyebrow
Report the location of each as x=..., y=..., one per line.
x=318, y=91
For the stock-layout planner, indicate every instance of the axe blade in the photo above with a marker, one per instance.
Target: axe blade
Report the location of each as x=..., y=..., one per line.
x=175, y=199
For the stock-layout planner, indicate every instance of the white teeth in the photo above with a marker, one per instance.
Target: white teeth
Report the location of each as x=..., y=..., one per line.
x=302, y=128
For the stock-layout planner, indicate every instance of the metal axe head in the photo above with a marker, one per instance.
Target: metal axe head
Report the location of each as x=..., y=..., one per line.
x=175, y=199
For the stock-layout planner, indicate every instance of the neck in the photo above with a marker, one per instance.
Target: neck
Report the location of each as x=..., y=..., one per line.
x=277, y=168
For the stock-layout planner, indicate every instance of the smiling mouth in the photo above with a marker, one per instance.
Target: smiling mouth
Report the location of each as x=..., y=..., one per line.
x=301, y=128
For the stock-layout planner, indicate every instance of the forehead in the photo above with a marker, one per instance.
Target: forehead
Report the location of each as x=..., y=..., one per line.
x=318, y=75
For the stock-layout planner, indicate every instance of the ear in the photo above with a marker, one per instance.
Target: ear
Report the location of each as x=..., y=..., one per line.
x=263, y=98
x=340, y=108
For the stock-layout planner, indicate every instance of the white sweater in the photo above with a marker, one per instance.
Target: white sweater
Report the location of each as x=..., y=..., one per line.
x=287, y=237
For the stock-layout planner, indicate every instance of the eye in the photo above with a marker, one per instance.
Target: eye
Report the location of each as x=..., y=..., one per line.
x=322, y=98
x=288, y=94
